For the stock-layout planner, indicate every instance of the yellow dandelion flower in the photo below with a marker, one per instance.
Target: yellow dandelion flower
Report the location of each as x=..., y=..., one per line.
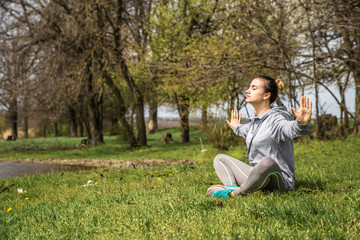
x=214, y=171
x=170, y=174
x=27, y=198
x=313, y=150
x=159, y=179
x=9, y=209
x=177, y=171
x=95, y=183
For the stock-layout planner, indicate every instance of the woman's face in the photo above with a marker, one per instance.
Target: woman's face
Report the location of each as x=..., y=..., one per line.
x=256, y=92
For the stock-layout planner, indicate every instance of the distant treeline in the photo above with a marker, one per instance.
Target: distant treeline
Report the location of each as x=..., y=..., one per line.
x=76, y=63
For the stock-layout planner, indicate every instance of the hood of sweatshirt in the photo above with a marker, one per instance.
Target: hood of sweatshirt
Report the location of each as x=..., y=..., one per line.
x=274, y=109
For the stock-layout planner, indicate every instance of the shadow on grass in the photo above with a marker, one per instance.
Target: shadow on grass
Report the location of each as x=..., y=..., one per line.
x=304, y=185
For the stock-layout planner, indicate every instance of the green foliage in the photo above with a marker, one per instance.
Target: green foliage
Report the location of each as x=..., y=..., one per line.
x=186, y=50
x=221, y=135
x=63, y=130
x=171, y=202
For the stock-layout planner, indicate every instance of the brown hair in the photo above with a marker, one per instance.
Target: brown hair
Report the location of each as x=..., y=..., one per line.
x=272, y=86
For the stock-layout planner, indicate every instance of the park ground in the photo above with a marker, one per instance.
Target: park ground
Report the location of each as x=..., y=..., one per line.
x=169, y=201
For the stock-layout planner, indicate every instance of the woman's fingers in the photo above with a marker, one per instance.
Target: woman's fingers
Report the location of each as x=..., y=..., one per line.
x=235, y=118
x=230, y=125
x=304, y=113
x=307, y=102
x=234, y=114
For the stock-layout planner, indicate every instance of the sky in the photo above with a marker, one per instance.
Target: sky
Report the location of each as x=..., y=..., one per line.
x=327, y=102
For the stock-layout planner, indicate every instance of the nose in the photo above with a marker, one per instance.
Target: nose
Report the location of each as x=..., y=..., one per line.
x=247, y=91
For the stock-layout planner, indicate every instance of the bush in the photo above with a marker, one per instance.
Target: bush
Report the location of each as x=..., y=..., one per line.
x=221, y=135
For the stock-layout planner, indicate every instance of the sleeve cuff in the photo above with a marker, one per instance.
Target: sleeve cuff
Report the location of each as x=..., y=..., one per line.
x=303, y=127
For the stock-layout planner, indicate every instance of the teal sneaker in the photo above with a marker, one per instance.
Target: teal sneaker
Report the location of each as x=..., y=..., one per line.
x=220, y=190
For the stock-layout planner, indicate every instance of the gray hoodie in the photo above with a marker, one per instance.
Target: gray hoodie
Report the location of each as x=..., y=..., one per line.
x=271, y=135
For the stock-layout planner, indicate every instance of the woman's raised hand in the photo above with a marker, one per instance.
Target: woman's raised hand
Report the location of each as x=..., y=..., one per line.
x=304, y=114
x=235, y=119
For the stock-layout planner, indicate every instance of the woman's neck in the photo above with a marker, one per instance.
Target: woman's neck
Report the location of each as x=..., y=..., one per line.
x=261, y=108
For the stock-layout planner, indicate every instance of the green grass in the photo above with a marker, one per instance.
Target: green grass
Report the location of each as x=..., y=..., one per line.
x=170, y=202
x=113, y=149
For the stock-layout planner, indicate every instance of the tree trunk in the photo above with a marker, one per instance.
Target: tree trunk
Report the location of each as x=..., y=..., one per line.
x=26, y=126
x=122, y=110
x=140, y=121
x=315, y=80
x=56, y=129
x=183, y=107
x=94, y=112
x=137, y=96
x=203, y=116
x=95, y=136
x=138, y=102
x=114, y=123
x=291, y=96
x=152, y=124
x=344, y=112
x=26, y=115
x=72, y=122
x=356, y=74
x=43, y=128
x=13, y=117
x=81, y=129
x=351, y=48
x=95, y=121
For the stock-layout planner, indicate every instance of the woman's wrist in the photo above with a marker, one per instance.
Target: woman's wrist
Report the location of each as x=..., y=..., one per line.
x=303, y=123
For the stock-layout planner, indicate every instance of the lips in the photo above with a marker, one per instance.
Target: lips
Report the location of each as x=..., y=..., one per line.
x=247, y=96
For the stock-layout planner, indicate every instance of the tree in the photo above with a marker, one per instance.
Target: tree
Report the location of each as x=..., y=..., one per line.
x=15, y=65
x=347, y=21
x=177, y=28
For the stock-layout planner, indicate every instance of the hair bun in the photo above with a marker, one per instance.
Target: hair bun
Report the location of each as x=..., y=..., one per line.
x=280, y=84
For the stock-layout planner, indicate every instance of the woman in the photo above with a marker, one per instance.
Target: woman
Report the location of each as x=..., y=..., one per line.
x=269, y=143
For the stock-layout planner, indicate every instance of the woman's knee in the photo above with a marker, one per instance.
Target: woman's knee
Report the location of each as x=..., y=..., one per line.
x=267, y=164
x=218, y=157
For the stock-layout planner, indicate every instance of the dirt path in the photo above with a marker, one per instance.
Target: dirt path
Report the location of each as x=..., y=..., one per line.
x=105, y=163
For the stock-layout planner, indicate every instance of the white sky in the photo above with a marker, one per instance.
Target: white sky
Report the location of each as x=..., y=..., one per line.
x=327, y=102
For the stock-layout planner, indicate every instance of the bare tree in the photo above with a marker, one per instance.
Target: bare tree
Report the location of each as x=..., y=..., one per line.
x=347, y=21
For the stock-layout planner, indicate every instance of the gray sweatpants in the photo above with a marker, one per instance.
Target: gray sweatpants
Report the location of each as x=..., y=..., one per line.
x=265, y=175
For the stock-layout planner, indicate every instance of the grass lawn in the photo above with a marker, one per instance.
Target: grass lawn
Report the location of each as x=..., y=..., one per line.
x=170, y=202
x=113, y=149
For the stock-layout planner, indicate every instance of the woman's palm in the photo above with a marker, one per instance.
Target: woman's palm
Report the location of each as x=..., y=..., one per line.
x=304, y=114
x=235, y=119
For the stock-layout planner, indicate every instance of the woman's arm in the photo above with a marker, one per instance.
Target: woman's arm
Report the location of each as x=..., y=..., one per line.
x=281, y=129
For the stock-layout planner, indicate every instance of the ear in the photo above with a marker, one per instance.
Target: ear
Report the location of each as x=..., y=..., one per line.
x=267, y=96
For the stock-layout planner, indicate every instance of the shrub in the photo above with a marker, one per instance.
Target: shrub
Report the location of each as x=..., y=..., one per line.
x=221, y=135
